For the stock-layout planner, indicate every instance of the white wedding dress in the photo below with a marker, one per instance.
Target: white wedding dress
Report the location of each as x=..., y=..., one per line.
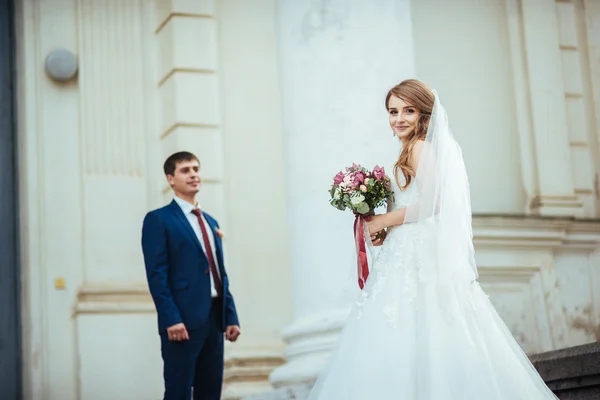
x=418, y=333
x=411, y=336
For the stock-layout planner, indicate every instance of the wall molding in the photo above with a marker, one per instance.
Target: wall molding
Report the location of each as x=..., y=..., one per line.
x=113, y=299
x=519, y=232
x=500, y=231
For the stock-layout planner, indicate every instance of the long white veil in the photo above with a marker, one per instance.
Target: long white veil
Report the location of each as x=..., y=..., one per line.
x=443, y=200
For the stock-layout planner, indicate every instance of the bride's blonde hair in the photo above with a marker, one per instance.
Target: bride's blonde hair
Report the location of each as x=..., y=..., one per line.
x=419, y=95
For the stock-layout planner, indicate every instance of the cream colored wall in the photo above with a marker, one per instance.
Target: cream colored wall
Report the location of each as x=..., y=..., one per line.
x=155, y=77
x=518, y=78
x=587, y=27
x=542, y=275
x=85, y=187
x=255, y=196
x=464, y=53
x=253, y=165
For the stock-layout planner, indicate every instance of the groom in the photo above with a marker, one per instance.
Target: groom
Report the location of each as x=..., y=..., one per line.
x=183, y=255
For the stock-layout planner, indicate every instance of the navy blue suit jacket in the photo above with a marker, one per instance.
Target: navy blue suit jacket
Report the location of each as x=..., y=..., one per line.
x=178, y=272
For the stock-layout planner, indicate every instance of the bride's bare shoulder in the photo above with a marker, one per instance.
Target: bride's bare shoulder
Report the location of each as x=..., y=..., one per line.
x=417, y=152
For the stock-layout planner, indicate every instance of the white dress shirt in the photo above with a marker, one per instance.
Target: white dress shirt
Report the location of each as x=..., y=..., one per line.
x=187, y=209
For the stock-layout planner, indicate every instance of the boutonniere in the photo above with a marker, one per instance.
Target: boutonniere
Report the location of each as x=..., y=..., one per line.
x=219, y=233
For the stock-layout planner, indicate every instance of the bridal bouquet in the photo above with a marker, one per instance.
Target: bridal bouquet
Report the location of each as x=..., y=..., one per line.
x=361, y=191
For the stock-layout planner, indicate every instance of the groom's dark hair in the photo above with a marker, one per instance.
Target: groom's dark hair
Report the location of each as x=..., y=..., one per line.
x=174, y=159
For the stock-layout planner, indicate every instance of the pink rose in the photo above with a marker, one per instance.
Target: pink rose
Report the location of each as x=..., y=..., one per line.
x=363, y=188
x=354, y=167
x=378, y=172
x=359, y=176
x=351, y=181
x=338, y=178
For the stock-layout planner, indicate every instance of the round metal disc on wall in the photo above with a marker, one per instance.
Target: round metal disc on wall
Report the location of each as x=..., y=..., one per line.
x=61, y=65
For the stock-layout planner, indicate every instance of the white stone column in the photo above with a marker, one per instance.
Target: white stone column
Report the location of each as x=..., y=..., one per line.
x=338, y=59
x=556, y=187
x=189, y=94
x=592, y=24
x=592, y=18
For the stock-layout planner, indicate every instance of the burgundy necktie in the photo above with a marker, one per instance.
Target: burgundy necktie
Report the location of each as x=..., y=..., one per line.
x=209, y=253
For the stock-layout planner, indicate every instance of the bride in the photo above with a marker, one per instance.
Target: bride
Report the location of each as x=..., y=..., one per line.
x=422, y=328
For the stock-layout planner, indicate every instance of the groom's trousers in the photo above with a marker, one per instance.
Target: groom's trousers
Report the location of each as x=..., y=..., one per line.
x=196, y=362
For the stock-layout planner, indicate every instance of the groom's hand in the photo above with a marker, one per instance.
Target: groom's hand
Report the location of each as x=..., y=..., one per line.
x=177, y=332
x=232, y=332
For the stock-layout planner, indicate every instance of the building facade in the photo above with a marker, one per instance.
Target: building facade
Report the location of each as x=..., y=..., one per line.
x=276, y=96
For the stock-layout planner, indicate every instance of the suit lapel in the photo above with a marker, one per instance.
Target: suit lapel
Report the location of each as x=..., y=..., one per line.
x=180, y=216
x=217, y=242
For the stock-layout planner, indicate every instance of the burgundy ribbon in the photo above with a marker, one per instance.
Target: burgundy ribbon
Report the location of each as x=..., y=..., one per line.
x=361, y=250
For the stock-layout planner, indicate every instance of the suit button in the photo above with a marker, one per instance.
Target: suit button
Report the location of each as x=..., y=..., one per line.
x=206, y=271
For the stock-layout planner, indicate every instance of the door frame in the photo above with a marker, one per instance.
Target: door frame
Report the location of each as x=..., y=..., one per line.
x=10, y=285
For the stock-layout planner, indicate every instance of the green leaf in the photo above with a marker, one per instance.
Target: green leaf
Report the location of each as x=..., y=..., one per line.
x=362, y=208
